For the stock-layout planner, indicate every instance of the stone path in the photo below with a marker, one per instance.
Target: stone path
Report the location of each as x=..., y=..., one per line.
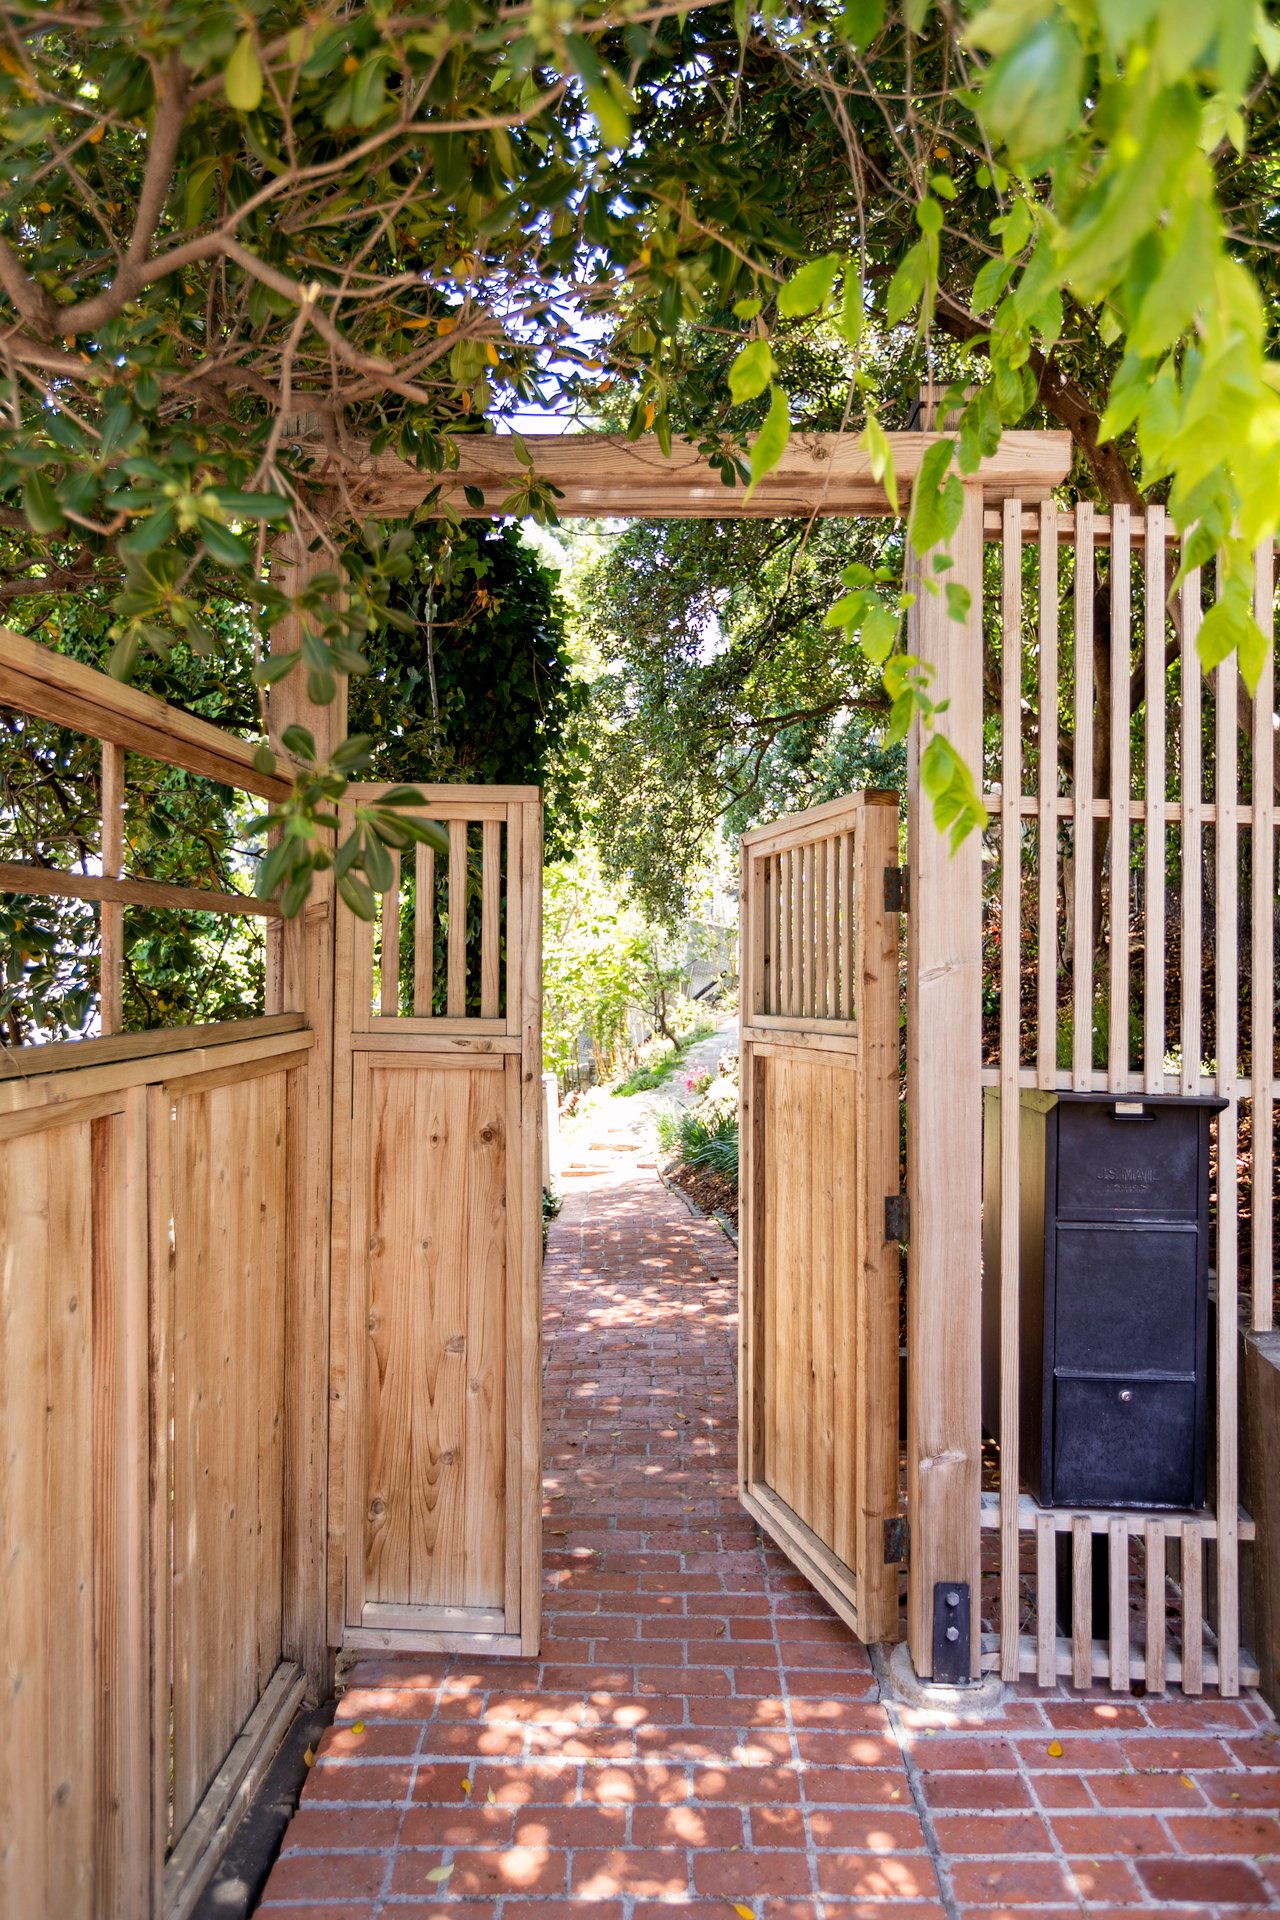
x=700, y=1733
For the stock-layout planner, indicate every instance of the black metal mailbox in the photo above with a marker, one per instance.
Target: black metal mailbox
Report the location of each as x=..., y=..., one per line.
x=1114, y=1296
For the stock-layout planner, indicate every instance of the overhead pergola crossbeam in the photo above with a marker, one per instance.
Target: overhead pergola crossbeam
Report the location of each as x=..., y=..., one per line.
x=599, y=475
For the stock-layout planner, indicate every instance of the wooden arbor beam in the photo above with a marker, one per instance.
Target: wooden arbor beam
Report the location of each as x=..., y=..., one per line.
x=599, y=474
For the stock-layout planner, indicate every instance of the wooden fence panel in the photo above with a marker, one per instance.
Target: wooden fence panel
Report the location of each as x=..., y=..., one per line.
x=818, y=1370
x=227, y=1150
x=435, y=1458
x=1157, y=832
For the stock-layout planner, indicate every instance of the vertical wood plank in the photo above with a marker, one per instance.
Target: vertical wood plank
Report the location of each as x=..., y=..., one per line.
x=389, y=995
x=1154, y=1668
x=457, y=947
x=122, y=1787
x=848, y=927
x=1046, y=1601
x=160, y=1315
x=1047, y=785
x=1155, y=835
x=1262, y=972
x=111, y=912
x=1081, y=1602
x=1082, y=810
x=944, y=1172
x=308, y=984
x=1118, y=1597
x=1121, y=649
x=490, y=917
x=529, y=1201
x=24, y=1295
x=1192, y=1608
x=831, y=898
x=1010, y=1049
x=1226, y=839
x=1192, y=837
x=424, y=931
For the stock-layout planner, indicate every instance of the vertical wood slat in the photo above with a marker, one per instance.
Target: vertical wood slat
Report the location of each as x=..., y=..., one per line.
x=848, y=909
x=1226, y=1040
x=1262, y=971
x=457, y=945
x=1082, y=831
x=833, y=926
x=1192, y=835
x=424, y=930
x=808, y=931
x=1046, y=1601
x=786, y=945
x=1154, y=1657
x=389, y=985
x=1047, y=839
x=777, y=922
x=1118, y=1596
x=1192, y=1608
x=490, y=914
x=1156, y=783
x=795, y=910
x=1010, y=1115
x=111, y=912
x=944, y=1141
x=1081, y=1602
x=1118, y=994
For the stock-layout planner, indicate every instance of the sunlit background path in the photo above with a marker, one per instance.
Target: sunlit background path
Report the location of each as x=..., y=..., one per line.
x=700, y=1733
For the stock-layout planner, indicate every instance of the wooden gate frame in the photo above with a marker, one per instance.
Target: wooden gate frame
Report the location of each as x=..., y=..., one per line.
x=810, y=885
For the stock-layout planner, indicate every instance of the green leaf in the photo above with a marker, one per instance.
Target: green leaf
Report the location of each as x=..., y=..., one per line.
x=809, y=287
x=907, y=284
x=751, y=371
x=746, y=309
x=299, y=742
x=937, y=499
x=861, y=20
x=853, y=310
x=1031, y=95
x=358, y=895
x=880, y=448
x=243, y=78
x=990, y=282
x=40, y=504
x=948, y=784
x=771, y=441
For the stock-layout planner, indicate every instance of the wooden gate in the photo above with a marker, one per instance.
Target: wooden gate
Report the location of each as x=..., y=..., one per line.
x=435, y=1499
x=818, y=1374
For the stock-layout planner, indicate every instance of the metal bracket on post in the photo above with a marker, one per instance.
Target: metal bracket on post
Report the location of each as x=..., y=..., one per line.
x=897, y=1540
x=897, y=889
x=951, y=1634
x=897, y=1217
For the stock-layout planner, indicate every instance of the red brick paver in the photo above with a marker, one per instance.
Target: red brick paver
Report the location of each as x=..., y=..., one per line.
x=699, y=1732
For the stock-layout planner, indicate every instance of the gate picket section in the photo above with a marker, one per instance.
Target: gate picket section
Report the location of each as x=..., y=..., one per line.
x=435, y=1460
x=818, y=1375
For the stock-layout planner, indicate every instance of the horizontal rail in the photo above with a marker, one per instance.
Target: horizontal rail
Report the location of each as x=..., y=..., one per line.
x=68, y=1056
x=25, y=1092
x=19, y=876
x=598, y=473
x=50, y=686
x=1101, y=1518
x=1100, y=1661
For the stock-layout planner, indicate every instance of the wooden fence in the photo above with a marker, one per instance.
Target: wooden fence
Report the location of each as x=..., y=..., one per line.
x=435, y=1466
x=160, y=1444
x=1134, y=815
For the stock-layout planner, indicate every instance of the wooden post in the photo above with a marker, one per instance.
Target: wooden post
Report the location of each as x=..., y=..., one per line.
x=944, y=1129
x=306, y=960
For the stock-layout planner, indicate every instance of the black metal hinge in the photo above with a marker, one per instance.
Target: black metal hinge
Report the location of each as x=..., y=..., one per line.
x=897, y=1541
x=897, y=889
x=897, y=1217
x=951, y=1633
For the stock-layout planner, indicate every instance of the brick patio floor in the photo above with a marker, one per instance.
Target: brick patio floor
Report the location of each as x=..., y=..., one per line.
x=700, y=1733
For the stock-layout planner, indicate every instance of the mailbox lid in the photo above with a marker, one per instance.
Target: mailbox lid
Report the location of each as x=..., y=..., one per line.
x=1127, y=1157
x=1128, y=1298
x=1126, y=1442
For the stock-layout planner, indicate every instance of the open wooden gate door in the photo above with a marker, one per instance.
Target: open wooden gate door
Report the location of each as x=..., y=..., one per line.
x=435, y=1464
x=818, y=1372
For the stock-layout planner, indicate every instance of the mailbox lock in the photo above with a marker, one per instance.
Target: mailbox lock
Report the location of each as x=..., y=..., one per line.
x=1126, y=1394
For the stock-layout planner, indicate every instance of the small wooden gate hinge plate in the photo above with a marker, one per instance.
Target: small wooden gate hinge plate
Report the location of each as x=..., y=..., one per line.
x=951, y=1633
x=897, y=1541
x=897, y=889
x=897, y=1217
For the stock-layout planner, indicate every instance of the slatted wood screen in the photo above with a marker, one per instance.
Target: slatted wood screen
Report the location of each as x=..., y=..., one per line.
x=818, y=1376
x=435, y=1458
x=1146, y=838
x=144, y=1310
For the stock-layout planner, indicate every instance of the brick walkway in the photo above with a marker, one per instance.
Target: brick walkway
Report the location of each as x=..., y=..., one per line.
x=700, y=1733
